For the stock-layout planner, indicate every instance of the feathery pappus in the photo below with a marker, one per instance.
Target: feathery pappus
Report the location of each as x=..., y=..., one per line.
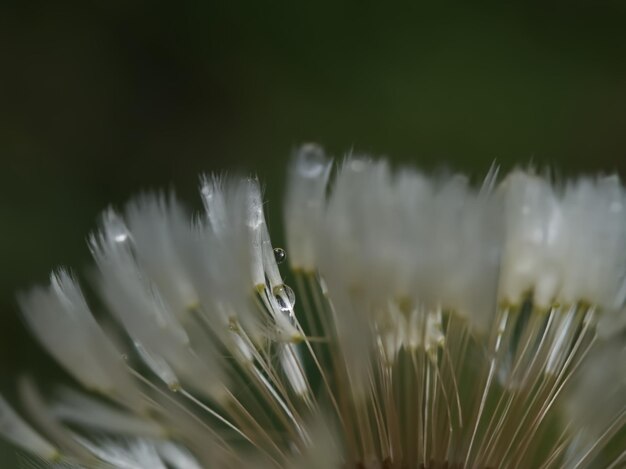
x=425, y=323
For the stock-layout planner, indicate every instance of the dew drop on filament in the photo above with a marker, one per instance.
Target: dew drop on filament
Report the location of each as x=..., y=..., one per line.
x=285, y=297
x=280, y=255
x=311, y=161
x=114, y=227
x=121, y=237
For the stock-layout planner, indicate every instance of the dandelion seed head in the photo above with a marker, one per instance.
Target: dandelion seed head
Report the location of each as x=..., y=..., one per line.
x=428, y=322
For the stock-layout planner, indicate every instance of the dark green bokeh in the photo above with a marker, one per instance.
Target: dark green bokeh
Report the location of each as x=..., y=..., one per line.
x=99, y=100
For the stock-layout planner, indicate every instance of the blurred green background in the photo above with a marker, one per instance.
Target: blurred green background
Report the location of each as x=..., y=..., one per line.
x=101, y=99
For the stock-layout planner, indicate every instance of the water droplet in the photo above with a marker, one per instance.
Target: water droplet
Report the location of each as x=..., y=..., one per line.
x=311, y=162
x=121, y=237
x=280, y=255
x=281, y=303
x=114, y=227
x=119, y=233
x=285, y=297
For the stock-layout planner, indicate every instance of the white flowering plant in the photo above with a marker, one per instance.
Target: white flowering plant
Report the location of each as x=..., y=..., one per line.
x=438, y=324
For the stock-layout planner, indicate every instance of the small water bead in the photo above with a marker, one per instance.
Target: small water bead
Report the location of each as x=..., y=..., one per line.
x=115, y=228
x=280, y=255
x=311, y=161
x=121, y=237
x=285, y=297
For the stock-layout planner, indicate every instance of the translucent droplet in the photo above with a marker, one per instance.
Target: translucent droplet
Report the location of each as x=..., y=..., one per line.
x=121, y=237
x=311, y=161
x=285, y=297
x=115, y=227
x=280, y=255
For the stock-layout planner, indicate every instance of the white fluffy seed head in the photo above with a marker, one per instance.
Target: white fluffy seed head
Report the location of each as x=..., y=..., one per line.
x=130, y=454
x=424, y=299
x=603, y=377
x=533, y=243
x=595, y=258
x=17, y=431
x=249, y=264
x=61, y=320
x=76, y=408
x=134, y=298
x=564, y=244
x=304, y=205
x=161, y=230
x=433, y=243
